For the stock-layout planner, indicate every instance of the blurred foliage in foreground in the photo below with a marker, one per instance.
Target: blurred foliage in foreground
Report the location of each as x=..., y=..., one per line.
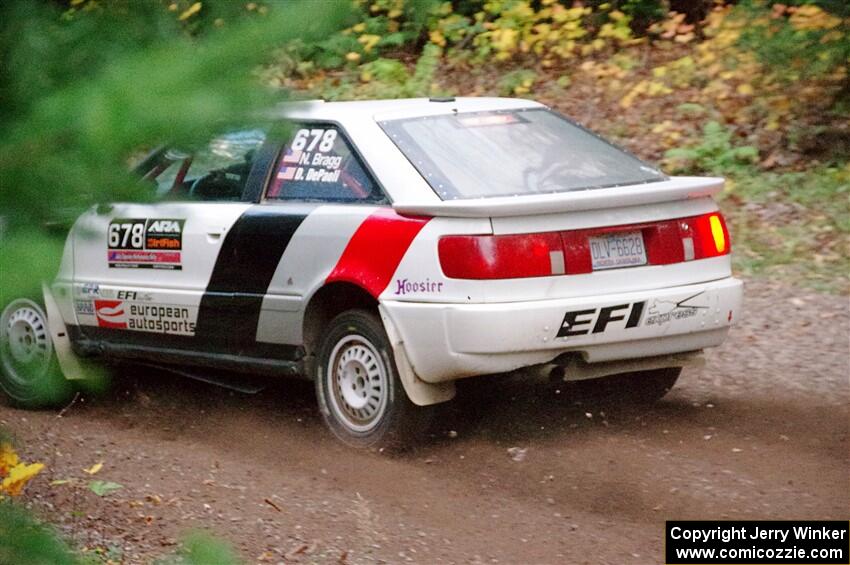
x=25, y=540
x=22, y=539
x=14, y=473
x=85, y=87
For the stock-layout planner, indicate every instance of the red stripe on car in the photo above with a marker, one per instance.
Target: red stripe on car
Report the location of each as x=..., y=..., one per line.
x=376, y=249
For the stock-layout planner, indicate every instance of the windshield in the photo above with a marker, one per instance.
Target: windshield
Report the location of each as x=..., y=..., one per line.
x=512, y=153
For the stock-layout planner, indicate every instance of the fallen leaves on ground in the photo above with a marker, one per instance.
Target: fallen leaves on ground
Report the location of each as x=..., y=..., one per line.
x=103, y=488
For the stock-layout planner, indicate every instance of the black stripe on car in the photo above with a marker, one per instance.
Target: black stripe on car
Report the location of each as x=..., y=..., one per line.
x=249, y=256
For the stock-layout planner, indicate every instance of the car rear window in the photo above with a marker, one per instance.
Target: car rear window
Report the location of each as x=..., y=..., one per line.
x=512, y=153
x=319, y=164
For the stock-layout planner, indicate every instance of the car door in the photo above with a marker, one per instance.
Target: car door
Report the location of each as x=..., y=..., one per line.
x=320, y=192
x=141, y=270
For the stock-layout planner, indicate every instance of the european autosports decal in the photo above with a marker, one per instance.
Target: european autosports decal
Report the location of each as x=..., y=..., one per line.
x=156, y=318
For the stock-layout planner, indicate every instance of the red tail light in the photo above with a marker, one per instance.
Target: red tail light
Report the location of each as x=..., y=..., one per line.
x=568, y=252
x=501, y=256
x=712, y=236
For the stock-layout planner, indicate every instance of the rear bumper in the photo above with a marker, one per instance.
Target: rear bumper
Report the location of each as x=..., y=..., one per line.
x=448, y=341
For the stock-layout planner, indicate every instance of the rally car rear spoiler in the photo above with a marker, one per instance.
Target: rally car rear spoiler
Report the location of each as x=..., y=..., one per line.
x=674, y=188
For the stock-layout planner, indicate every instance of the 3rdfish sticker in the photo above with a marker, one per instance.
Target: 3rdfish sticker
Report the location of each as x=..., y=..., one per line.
x=145, y=243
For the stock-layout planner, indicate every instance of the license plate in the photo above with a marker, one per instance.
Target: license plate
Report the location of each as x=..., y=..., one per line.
x=614, y=250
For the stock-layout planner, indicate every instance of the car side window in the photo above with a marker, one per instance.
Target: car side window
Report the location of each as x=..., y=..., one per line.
x=319, y=163
x=217, y=171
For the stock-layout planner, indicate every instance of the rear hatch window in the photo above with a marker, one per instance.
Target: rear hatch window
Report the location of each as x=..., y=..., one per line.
x=512, y=153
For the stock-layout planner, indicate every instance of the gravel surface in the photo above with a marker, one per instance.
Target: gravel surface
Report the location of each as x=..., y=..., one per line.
x=525, y=472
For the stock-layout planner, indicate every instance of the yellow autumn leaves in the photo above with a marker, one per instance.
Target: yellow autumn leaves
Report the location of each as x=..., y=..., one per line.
x=502, y=29
x=14, y=473
x=720, y=70
x=808, y=17
x=505, y=28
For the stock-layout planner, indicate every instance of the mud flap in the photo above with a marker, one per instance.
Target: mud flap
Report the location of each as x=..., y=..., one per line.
x=418, y=391
x=71, y=366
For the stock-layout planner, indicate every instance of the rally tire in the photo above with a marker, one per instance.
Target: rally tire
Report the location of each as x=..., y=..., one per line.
x=360, y=395
x=29, y=370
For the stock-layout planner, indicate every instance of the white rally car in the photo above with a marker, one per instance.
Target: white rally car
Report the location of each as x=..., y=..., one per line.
x=385, y=250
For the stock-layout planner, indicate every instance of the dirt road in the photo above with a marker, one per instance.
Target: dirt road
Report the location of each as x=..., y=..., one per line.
x=760, y=432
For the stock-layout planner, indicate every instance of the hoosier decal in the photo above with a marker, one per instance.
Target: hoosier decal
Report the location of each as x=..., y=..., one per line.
x=406, y=286
x=145, y=243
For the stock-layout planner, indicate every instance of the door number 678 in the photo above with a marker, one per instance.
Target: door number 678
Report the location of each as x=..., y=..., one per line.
x=126, y=235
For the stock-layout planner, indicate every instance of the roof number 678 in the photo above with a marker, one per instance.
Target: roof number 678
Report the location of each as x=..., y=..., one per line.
x=307, y=139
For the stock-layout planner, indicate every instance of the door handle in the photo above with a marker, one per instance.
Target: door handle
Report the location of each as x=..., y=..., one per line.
x=214, y=236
